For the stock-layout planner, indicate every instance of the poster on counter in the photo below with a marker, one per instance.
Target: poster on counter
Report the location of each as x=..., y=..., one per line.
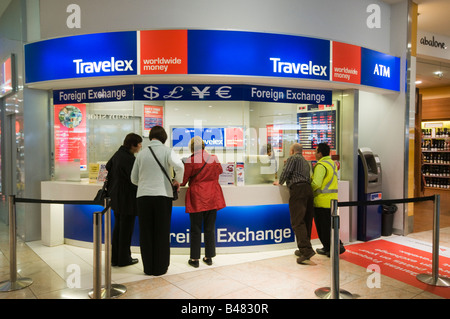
x=240, y=174
x=153, y=115
x=93, y=170
x=227, y=177
x=102, y=173
x=70, y=133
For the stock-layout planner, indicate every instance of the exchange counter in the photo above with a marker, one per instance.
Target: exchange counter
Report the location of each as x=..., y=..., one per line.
x=256, y=218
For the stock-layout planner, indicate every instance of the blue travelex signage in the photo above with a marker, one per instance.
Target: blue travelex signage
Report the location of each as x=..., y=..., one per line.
x=212, y=136
x=209, y=52
x=90, y=55
x=257, y=54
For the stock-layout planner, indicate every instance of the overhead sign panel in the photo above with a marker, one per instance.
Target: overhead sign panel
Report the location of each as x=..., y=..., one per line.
x=380, y=70
x=208, y=52
x=257, y=54
x=163, y=52
x=90, y=55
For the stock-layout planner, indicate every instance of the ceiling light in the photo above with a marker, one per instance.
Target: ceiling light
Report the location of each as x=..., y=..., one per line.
x=418, y=82
x=439, y=74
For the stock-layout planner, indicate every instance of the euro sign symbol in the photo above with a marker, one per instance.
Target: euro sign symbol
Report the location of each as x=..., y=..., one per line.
x=224, y=92
x=152, y=92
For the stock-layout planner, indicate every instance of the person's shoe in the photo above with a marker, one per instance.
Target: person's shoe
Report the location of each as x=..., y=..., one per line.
x=297, y=253
x=207, y=261
x=193, y=263
x=131, y=262
x=303, y=258
x=341, y=251
x=322, y=251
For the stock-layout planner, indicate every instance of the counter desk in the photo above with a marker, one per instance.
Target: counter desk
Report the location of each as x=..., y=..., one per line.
x=256, y=218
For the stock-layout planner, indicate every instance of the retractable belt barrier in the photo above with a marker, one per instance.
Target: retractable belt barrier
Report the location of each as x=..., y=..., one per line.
x=333, y=292
x=110, y=290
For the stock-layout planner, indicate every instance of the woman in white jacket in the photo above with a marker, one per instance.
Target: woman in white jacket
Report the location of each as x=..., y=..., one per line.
x=154, y=200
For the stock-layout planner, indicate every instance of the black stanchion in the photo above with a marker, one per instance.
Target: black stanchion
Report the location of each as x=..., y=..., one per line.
x=434, y=279
x=334, y=292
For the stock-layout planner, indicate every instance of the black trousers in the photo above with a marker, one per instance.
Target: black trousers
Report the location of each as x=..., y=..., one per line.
x=208, y=220
x=154, y=226
x=301, y=209
x=121, y=239
x=322, y=218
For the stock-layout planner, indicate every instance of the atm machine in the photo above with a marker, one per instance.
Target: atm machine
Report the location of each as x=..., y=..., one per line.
x=369, y=189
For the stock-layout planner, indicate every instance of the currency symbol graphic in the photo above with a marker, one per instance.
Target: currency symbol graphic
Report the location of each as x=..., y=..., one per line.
x=152, y=92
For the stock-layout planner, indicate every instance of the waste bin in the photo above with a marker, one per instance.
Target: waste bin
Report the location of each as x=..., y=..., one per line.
x=387, y=219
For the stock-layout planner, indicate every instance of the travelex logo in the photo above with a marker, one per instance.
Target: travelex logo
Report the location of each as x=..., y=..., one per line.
x=298, y=68
x=111, y=65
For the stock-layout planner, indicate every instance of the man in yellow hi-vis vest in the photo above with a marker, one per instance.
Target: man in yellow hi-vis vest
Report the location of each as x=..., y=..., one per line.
x=325, y=187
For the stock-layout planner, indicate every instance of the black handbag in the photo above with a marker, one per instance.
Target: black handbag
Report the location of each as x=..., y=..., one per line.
x=102, y=193
x=174, y=188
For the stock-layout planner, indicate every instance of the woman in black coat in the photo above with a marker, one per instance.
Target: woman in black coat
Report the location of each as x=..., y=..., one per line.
x=123, y=199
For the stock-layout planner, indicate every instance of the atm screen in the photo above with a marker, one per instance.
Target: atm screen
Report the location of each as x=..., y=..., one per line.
x=371, y=163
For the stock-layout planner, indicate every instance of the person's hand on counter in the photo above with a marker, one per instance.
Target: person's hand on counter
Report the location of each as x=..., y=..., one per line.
x=276, y=183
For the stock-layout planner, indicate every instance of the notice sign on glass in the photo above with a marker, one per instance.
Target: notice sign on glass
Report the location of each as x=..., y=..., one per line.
x=316, y=124
x=70, y=133
x=153, y=115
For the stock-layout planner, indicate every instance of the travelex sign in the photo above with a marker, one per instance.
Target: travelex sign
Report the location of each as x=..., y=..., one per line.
x=192, y=92
x=101, y=54
x=208, y=52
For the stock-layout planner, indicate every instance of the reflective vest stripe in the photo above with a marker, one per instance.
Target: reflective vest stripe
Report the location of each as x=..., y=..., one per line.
x=326, y=189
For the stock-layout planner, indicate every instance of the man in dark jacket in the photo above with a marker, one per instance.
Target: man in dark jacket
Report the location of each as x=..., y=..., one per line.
x=123, y=199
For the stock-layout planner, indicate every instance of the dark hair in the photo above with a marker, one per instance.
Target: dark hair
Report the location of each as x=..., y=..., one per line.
x=323, y=148
x=159, y=133
x=132, y=140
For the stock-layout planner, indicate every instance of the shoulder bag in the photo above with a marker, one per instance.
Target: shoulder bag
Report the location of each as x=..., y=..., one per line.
x=174, y=188
x=102, y=193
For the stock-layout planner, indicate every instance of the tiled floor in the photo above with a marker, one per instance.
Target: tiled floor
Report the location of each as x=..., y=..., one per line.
x=264, y=275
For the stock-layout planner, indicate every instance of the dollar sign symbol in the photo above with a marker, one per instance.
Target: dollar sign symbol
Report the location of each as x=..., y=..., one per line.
x=150, y=90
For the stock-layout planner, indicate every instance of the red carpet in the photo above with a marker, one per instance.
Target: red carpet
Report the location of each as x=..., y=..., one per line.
x=399, y=262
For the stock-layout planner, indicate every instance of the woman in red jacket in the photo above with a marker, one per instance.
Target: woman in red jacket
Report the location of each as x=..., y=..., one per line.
x=204, y=198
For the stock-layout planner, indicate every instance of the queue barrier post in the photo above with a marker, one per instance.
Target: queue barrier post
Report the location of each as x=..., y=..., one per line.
x=434, y=279
x=108, y=290
x=96, y=292
x=13, y=283
x=334, y=292
x=111, y=290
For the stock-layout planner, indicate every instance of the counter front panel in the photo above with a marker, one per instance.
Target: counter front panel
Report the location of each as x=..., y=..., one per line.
x=235, y=225
x=256, y=216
